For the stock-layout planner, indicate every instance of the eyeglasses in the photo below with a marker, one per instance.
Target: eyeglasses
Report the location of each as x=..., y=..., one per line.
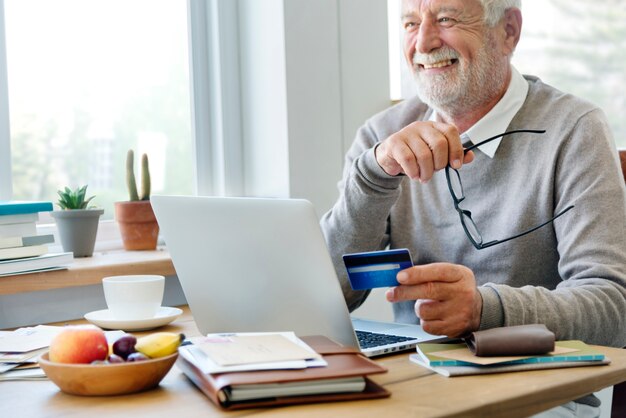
x=456, y=190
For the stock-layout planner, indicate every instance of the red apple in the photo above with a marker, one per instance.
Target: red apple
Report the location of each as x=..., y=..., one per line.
x=79, y=344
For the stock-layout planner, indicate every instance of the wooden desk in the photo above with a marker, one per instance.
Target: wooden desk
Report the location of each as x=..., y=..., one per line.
x=416, y=392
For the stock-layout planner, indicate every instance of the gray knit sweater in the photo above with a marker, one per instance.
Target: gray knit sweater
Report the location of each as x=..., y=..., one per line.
x=569, y=275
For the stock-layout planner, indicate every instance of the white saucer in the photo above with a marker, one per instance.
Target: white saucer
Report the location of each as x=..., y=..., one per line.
x=105, y=319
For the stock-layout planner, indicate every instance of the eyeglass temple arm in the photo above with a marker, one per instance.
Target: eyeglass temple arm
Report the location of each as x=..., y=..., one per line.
x=532, y=131
x=491, y=243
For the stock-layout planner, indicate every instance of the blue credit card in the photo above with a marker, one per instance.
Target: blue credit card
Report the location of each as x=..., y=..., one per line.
x=376, y=268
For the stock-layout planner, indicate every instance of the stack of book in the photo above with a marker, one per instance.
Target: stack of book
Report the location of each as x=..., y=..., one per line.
x=457, y=359
x=21, y=248
x=249, y=370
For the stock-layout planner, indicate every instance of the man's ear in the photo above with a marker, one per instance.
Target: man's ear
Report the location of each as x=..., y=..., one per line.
x=513, y=28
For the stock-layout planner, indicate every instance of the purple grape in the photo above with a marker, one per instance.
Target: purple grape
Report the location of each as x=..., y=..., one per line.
x=125, y=346
x=137, y=356
x=114, y=358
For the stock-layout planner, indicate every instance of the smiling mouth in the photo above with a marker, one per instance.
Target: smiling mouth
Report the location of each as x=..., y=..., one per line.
x=439, y=64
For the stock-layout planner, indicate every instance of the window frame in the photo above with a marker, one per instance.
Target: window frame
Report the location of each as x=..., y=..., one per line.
x=215, y=91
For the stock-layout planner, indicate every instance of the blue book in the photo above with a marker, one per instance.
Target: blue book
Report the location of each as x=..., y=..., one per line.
x=16, y=207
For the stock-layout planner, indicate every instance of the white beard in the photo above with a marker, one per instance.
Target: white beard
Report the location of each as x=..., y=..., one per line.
x=466, y=87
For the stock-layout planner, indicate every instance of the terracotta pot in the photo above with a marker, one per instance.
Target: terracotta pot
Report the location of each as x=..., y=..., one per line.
x=138, y=225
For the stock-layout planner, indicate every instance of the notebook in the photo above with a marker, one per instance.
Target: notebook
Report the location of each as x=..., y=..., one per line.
x=256, y=264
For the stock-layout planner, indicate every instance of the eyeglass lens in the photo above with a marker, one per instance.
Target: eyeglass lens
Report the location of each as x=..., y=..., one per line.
x=456, y=186
x=471, y=227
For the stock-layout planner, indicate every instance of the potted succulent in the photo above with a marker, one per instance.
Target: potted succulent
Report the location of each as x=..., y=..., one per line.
x=138, y=225
x=77, y=223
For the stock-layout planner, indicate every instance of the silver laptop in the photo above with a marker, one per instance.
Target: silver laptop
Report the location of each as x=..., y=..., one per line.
x=251, y=264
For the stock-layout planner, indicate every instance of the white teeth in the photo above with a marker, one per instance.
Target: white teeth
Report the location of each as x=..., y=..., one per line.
x=438, y=64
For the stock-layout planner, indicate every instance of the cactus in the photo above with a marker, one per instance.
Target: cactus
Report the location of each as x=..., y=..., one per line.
x=130, y=176
x=131, y=183
x=145, y=178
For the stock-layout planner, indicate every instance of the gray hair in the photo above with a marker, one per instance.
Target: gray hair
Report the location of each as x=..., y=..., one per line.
x=494, y=9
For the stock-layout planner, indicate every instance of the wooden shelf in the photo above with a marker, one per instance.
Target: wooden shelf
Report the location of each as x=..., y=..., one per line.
x=90, y=270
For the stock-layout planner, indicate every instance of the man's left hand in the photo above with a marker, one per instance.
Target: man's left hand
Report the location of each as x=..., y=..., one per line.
x=447, y=300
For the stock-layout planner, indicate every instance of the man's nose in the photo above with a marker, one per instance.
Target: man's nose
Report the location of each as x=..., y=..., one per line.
x=427, y=38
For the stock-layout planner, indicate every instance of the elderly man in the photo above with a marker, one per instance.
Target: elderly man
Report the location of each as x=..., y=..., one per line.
x=466, y=217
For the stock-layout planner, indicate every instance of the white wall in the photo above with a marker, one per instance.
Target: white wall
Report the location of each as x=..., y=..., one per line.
x=264, y=98
x=311, y=73
x=314, y=99
x=364, y=59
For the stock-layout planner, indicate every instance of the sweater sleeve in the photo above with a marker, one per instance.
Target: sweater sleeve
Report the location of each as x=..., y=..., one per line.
x=590, y=302
x=358, y=220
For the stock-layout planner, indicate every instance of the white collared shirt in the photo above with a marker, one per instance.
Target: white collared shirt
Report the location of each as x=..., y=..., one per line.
x=499, y=117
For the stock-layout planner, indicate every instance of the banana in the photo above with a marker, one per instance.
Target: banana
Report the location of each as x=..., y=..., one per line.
x=159, y=344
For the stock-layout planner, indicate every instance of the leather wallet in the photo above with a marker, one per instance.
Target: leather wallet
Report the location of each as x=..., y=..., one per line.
x=519, y=340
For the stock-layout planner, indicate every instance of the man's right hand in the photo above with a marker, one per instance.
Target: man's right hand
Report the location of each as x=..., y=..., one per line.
x=420, y=149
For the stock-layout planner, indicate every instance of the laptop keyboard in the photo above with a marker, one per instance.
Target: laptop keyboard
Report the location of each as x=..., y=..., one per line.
x=372, y=339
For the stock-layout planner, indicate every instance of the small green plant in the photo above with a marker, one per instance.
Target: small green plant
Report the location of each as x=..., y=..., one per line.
x=131, y=183
x=73, y=199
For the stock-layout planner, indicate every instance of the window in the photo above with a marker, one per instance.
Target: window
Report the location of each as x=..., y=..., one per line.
x=578, y=47
x=575, y=45
x=90, y=79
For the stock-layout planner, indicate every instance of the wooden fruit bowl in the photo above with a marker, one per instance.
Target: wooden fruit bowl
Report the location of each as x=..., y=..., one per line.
x=107, y=379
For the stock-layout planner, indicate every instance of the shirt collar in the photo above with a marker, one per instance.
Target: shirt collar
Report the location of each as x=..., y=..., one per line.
x=499, y=117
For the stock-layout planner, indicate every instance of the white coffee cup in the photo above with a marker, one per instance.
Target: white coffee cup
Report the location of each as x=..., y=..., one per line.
x=133, y=297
